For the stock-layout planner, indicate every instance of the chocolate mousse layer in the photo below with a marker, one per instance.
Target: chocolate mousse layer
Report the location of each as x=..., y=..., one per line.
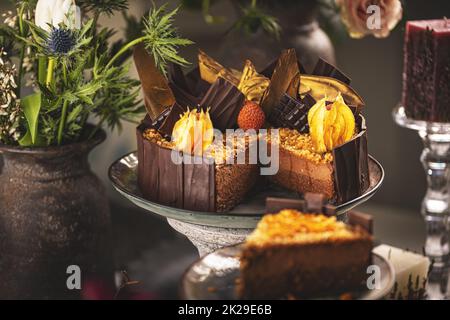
x=340, y=175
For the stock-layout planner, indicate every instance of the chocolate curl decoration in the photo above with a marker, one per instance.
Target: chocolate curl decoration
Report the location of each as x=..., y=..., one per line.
x=157, y=94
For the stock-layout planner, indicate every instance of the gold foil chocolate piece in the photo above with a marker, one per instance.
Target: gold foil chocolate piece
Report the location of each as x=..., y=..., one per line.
x=157, y=94
x=210, y=70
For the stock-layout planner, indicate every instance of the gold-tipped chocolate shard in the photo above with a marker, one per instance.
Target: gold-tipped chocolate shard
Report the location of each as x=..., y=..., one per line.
x=247, y=73
x=303, y=89
x=285, y=71
x=210, y=70
x=157, y=93
x=319, y=87
x=252, y=84
x=294, y=87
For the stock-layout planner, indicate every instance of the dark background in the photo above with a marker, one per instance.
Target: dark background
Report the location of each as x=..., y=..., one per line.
x=156, y=255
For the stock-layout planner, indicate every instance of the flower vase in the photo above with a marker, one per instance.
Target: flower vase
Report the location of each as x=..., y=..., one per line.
x=54, y=213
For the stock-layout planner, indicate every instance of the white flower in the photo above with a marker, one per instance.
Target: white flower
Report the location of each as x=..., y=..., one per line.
x=53, y=12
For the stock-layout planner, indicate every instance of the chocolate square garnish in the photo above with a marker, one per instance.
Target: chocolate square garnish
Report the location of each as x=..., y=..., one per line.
x=274, y=205
x=293, y=87
x=285, y=71
x=364, y=220
x=351, y=167
x=197, y=85
x=290, y=113
x=314, y=202
x=326, y=69
x=225, y=102
x=308, y=100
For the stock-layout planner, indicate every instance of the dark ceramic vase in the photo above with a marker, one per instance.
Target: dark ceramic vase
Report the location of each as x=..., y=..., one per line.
x=53, y=213
x=300, y=30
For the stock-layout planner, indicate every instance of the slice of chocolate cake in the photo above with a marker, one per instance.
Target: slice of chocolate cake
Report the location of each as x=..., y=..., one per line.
x=303, y=255
x=215, y=185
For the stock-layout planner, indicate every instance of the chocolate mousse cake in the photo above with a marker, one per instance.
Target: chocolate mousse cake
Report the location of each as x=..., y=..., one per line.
x=293, y=254
x=322, y=141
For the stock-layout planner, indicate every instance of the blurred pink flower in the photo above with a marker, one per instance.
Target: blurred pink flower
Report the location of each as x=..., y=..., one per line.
x=376, y=17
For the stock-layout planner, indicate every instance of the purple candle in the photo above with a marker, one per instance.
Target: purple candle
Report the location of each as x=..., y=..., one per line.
x=426, y=72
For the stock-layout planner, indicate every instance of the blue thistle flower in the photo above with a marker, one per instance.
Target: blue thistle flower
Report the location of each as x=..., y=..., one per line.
x=60, y=41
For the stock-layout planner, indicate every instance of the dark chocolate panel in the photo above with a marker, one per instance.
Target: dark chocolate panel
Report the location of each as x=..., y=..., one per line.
x=268, y=70
x=157, y=93
x=351, y=167
x=364, y=220
x=185, y=185
x=311, y=203
x=199, y=186
x=184, y=98
x=158, y=120
x=148, y=178
x=170, y=178
x=274, y=205
x=285, y=71
x=225, y=102
x=197, y=85
x=314, y=202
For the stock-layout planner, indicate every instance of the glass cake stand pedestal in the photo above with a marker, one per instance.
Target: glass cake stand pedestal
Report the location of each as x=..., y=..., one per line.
x=436, y=162
x=209, y=231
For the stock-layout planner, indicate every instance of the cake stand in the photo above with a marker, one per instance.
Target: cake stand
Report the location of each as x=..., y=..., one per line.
x=436, y=162
x=209, y=231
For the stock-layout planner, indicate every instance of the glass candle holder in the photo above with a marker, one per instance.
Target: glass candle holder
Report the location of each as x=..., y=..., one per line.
x=436, y=162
